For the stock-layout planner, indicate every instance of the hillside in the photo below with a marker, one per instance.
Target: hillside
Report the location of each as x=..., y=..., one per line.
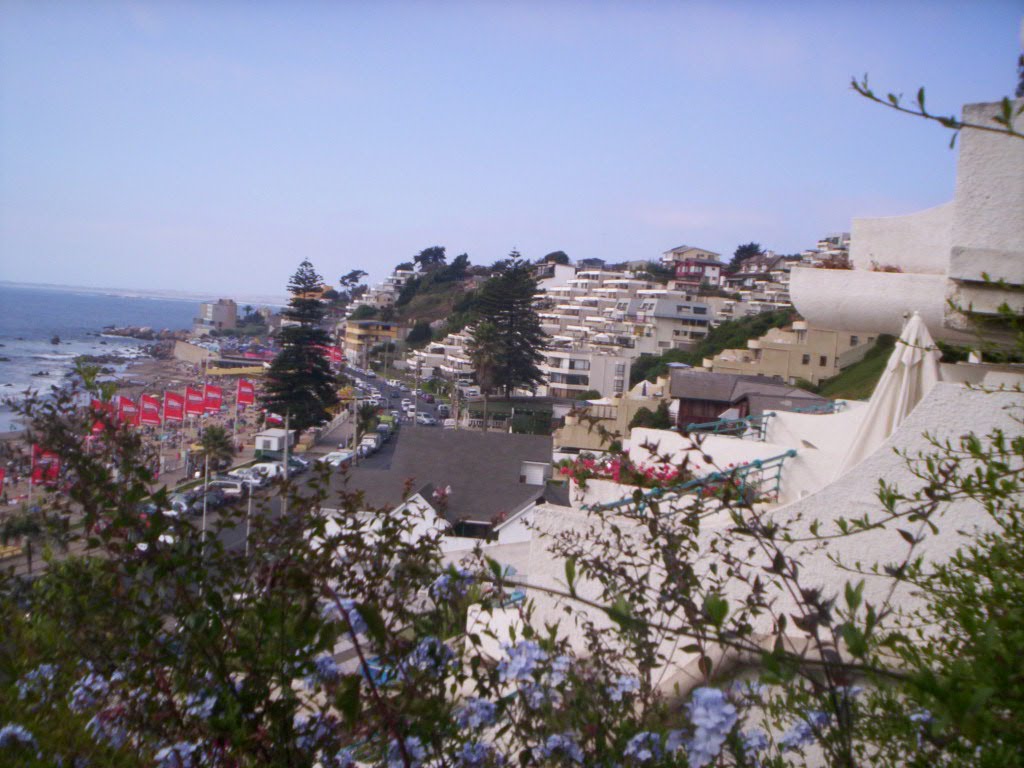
x=858, y=381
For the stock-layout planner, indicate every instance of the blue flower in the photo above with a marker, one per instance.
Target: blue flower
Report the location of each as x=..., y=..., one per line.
x=803, y=733
x=522, y=660
x=623, y=685
x=180, y=755
x=107, y=726
x=754, y=741
x=38, y=682
x=713, y=717
x=559, y=670
x=325, y=670
x=451, y=586
x=342, y=759
x=345, y=610
x=563, y=744
x=14, y=736
x=476, y=714
x=431, y=655
x=644, y=747
x=87, y=692
x=200, y=705
x=536, y=696
x=474, y=754
x=413, y=748
x=310, y=731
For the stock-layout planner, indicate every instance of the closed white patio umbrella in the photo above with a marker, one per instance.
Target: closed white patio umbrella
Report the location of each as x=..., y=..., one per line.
x=910, y=374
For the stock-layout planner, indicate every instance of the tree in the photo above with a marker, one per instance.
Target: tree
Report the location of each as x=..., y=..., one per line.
x=217, y=446
x=430, y=258
x=742, y=253
x=555, y=257
x=485, y=352
x=350, y=285
x=656, y=419
x=299, y=382
x=405, y=266
x=420, y=334
x=506, y=302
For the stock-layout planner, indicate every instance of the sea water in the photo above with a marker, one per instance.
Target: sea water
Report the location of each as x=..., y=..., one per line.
x=30, y=317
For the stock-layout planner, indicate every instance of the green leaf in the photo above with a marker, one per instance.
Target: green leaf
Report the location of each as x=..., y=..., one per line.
x=854, y=595
x=570, y=574
x=347, y=700
x=716, y=608
x=374, y=623
x=855, y=641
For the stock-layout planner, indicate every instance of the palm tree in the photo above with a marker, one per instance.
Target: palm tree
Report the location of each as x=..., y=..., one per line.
x=217, y=446
x=365, y=419
x=485, y=354
x=32, y=527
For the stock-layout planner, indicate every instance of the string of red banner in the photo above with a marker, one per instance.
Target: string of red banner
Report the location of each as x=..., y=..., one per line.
x=150, y=411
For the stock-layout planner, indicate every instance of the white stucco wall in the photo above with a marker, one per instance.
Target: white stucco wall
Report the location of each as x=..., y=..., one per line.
x=918, y=243
x=870, y=302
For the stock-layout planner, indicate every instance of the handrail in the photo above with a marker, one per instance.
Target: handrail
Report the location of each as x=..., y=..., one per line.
x=832, y=406
x=741, y=473
x=755, y=426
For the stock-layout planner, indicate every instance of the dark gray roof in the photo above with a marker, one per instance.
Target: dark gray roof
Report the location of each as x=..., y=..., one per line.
x=733, y=387
x=482, y=470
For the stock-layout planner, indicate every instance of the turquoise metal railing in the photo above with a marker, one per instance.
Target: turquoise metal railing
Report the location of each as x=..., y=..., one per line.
x=749, y=427
x=763, y=476
x=832, y=406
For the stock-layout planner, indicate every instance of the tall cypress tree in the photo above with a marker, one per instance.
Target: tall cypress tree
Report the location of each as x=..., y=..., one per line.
x=506, y=303
x=299, y=382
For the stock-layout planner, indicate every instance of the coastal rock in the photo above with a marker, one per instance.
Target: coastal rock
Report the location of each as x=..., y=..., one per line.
x=146, y=333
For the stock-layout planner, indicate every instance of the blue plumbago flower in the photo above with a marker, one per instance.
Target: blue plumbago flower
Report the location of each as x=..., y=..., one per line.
x=849, y=691
x=536, y=696
x=921, y=716
x=107, y=726
x=476, y=714
x=325, y=670
x=200, y=705
x=344, y=610
x=754, y=741
x=623, y=685
x=675, y=740
x=87, y=692
x=713, y=717
x=14, y=736
x=522, y=660
x=413, y=748
x=475, y=753
x=184, y=754
x=560, y=666
x=310, y=731
x=803, y=733
x=341, y=759
x=451, y=585
x=431, y=655
x=38, y=682
x=644, y=747
x=563, y=744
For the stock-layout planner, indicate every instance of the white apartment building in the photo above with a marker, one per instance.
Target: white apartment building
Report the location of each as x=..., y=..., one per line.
x=385, y=294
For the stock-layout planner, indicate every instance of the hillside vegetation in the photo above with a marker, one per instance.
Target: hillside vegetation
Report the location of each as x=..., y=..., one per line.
x=858, y=381
x=733, y=334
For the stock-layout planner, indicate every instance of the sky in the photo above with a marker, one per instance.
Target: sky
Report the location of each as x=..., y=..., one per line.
x=212, y=146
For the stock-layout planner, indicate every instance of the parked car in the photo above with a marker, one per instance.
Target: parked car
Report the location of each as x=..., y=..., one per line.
x=232, y=487
x=250, y=477
x=443, y=410
x=406, y=402
x=425, y=419
x=337, y=459
x=427, y=397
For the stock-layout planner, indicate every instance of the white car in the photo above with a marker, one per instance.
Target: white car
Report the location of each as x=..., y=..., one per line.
x=336, y=458
x=426, y=419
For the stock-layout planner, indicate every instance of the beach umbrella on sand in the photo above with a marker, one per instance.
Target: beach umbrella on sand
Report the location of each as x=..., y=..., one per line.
x=910, y=374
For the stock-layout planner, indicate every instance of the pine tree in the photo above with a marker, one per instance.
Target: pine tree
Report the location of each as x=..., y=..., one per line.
x=299, y=382
x=506, y=303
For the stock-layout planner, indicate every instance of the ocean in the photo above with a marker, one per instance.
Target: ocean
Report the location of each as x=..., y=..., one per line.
x=31, y=316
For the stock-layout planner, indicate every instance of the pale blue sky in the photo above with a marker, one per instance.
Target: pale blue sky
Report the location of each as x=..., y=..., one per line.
x=213, y=145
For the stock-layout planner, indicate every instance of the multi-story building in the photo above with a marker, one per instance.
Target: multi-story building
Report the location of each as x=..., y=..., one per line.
x=687, y=252
x=217, y=315
x=361, y=336
x=694, y=271
x=384, y=294
x=572, y=369
x=795, y=353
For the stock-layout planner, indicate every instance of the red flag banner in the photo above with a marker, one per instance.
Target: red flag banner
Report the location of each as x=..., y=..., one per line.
x=212, y=398
x=273, y=418
x=333, y=354
x=246, y=392
x=194, y=402
x=174, y=406
x=3, y=472
x=127, y=410
x=150, y=405
x=45, y=466
x=99, y=408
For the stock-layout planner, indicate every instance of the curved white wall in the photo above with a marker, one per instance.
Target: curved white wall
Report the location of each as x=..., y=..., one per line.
x=918, y=242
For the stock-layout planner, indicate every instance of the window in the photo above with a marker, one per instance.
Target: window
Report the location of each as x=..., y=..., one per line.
x=700, y=310
x=854, y=341
x=823, y=361
x=805, y=360
x=620, y=369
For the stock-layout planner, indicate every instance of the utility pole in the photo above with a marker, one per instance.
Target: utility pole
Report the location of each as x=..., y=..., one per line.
x=287, y=440
x=206, y=483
